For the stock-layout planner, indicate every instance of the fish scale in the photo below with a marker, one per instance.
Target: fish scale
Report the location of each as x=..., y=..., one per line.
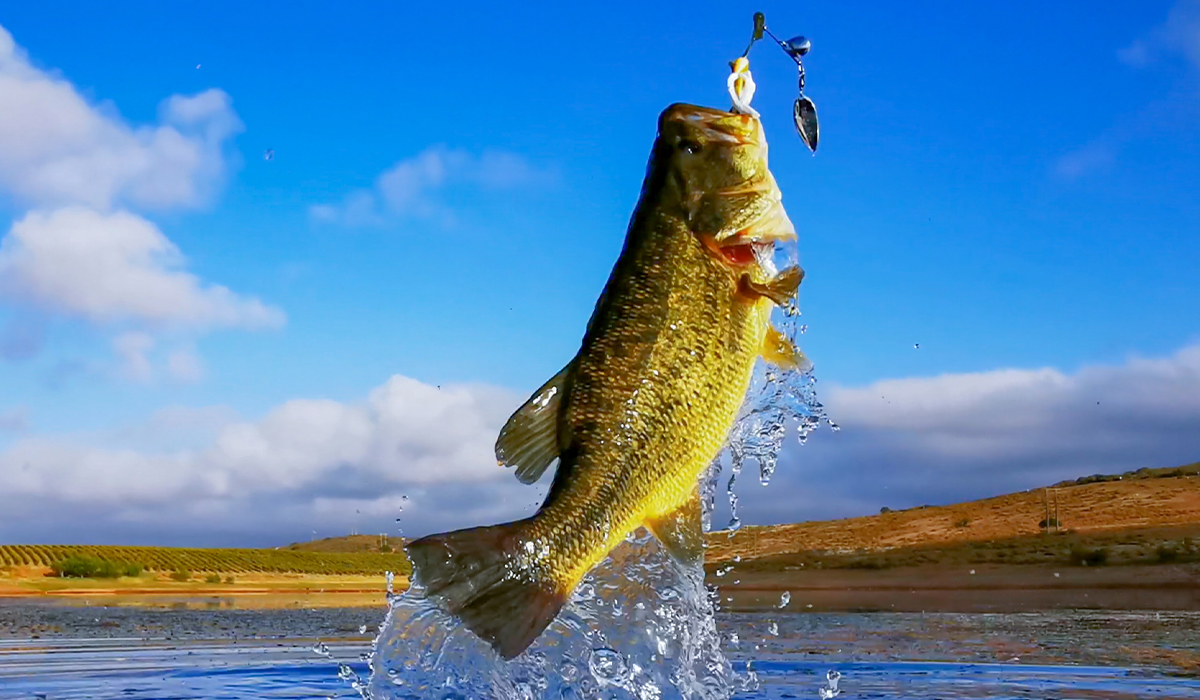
x=681, y=415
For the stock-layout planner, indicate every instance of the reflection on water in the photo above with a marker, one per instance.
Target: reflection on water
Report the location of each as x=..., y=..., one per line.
x=241, y=655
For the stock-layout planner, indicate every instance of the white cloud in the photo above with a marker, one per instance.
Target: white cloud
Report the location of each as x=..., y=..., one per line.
x=1179, y=34
x=114, y=267
x=413, y=186
x=943, y=439
x=204, y=476
x=132, y=349
x=56, y=148
x=80, y=251
x=305, y=455
x=184, y=366
x=1095, y=157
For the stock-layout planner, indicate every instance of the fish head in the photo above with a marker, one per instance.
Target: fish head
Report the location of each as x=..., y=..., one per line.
x=715, y=170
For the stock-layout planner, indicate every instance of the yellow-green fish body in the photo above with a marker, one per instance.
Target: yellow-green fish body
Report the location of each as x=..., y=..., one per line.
x=649, y=400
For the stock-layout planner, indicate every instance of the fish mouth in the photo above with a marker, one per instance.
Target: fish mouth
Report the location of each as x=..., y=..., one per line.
x=715, y=124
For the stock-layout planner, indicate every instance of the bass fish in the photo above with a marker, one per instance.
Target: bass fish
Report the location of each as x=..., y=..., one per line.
x=648, y=402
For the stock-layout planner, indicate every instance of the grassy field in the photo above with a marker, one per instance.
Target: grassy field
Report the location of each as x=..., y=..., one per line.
x=217, y=561
x=1158, y=511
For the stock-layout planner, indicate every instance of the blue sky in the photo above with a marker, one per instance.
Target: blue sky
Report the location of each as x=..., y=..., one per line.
x=1012, y=188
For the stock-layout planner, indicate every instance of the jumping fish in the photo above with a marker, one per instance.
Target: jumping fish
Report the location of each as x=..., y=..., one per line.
x=640, y=412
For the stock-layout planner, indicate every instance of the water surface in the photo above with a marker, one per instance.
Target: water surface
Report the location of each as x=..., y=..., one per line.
x=139, y=654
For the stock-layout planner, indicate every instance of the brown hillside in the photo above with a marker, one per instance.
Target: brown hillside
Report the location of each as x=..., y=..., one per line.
x=1083, y=508
x=352, y=543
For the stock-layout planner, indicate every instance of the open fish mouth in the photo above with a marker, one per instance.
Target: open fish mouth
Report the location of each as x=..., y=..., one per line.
x=718, y=125
x=745, y=215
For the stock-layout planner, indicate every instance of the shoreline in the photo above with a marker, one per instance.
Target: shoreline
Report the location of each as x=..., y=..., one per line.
x=986, y=588
x=250, y=591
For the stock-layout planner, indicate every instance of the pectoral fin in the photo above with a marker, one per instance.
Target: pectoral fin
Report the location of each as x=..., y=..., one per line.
x=779, y=289
x=680, y=531
x=529, y=440
x=781, y=352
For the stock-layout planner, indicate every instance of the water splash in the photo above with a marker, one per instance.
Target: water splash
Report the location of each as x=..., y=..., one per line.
x=639, y=627
x=777, y=397
x=830, y=691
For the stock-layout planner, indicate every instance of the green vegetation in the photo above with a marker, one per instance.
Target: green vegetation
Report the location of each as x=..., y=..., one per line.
x=181, y=575
x=225, y=561
x=89, y=567
x=1144, y=473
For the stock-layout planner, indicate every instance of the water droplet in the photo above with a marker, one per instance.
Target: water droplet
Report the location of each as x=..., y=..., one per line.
x=785, y=599
x=608, y=665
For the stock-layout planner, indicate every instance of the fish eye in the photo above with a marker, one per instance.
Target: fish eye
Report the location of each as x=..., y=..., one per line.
x=689, y=146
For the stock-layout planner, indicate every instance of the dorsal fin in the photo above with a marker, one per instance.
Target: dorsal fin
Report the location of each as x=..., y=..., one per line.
x=529, y=440
x=681, y=531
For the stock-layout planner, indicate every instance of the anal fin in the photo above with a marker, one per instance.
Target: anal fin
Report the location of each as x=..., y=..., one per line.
x=780, y=289
x=529, y=440
x=680, y=531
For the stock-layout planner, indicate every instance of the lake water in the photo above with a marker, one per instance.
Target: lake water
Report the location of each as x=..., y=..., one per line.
x=56, y=652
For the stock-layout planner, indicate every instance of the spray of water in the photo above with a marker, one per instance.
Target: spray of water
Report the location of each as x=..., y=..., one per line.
x=640, y=627
x=777, y=397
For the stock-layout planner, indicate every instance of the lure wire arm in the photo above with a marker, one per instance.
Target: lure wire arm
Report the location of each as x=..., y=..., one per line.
x=741, y=85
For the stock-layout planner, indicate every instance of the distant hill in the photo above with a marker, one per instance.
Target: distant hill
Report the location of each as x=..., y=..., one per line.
x=1146, y=516
x=1092, y=506
x=352, y=543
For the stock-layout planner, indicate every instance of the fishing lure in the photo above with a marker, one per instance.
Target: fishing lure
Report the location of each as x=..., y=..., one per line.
x=741, y=84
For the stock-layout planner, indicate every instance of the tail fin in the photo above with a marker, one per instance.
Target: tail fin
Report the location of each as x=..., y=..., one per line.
x=469, y=573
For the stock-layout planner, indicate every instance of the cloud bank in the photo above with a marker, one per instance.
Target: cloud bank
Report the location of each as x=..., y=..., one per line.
x=909, y=442
x=424, y=455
